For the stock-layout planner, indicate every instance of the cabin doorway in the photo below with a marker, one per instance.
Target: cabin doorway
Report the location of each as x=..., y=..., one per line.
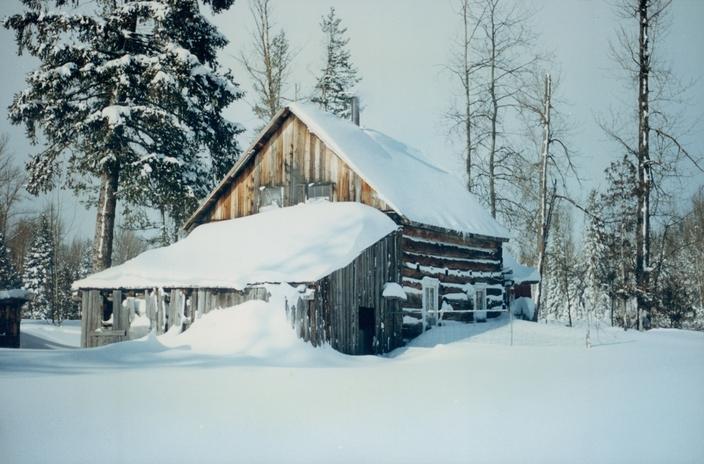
x=367, y=325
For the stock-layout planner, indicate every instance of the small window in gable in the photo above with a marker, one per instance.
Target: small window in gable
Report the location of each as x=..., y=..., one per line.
x=320, y=191
x=269, y=196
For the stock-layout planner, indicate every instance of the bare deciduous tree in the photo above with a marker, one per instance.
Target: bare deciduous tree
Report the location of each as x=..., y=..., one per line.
x=460, y=116
x=268, y=62
x=657, y=152
x=544, y=183
x=11, y=182
x=492, y=62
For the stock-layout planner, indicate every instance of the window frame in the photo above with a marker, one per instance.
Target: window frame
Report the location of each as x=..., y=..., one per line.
x=270, y=188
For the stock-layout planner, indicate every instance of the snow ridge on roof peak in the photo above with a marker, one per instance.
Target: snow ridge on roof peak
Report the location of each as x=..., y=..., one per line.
x=403, y=177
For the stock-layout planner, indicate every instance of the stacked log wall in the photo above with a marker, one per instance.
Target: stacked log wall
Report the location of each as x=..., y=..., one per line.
x=454, y=259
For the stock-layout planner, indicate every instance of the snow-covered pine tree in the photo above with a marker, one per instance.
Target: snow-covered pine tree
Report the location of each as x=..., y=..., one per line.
x=66, y=308
x=594, y=255
x=9, y=278
x=562, y=281
x=338, y=77
x=86, y=265
x=38, y=271
x=130, y=93
x=617, y=206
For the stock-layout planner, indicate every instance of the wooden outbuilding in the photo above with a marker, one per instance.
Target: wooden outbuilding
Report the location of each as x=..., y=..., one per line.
x=11, y=302
x=445, y=251
x=522, y=278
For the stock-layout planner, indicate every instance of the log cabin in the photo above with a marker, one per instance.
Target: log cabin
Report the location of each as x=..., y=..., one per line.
x=437, y=257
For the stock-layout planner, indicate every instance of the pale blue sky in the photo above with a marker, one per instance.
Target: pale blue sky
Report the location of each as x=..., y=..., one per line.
x=400, y=47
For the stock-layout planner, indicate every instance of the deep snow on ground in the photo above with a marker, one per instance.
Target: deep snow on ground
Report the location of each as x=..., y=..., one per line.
x=67, y=334
x=239, y=387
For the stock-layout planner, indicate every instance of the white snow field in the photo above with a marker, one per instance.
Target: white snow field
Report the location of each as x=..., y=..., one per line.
x=67, y=335
x=239, y=387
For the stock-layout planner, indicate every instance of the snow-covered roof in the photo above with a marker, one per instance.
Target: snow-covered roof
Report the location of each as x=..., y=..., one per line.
x=403, y=177
x=301, y=243
x=14, y=294
x=521, y=273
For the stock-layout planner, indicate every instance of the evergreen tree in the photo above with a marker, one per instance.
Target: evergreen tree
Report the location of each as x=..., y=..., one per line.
x=86, y=264
x=594, y=256
x=131, y=93
x=9, y=278
x=38, y=273
x=617, y=205
x=66, y=308
x=562, y=283
x=338, y=77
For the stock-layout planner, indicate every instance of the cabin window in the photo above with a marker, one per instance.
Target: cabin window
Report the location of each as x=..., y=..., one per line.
x=320, y=191
x=480, y=298
x=269, y=196
x=430, y=294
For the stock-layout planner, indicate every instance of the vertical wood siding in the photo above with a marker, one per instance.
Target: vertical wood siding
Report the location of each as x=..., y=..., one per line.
x=292, y=156
x=333, y=315
x=165, y=309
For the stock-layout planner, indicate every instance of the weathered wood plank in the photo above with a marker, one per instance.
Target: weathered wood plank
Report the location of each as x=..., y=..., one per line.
x=447, y=250
x=450, y=237
x=291, y=156
x=454, y=264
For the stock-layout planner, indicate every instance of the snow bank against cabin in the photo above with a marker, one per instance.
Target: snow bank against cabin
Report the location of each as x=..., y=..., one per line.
x=255, y=329
x=301, y=243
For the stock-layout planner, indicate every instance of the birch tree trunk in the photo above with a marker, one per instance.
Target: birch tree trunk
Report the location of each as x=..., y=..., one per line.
x=467, y=96
x=494, y=117
x=544, y=211
x=644, y=174
x=105, y=219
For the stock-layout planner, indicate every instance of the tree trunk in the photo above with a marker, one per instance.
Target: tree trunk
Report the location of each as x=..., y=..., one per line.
x=494, y=117
x=644, y=179
x=544, y=212
x=467, y=100
x=105, y=219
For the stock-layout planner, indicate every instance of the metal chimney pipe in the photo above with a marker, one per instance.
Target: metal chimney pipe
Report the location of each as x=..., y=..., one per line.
x=355, y=110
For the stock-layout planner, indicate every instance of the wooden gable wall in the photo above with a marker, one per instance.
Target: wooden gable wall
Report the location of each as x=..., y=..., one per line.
x=292, y=156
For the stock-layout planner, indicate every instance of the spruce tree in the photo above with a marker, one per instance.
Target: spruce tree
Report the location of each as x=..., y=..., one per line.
x=129, y=93
x=338, y=77
x=9, y=279
x=594, y=256
x=617, y=205
x=66, y=308
x=38, y=273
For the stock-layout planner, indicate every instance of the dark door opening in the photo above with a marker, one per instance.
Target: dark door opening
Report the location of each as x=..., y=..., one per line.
x=367, y=326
